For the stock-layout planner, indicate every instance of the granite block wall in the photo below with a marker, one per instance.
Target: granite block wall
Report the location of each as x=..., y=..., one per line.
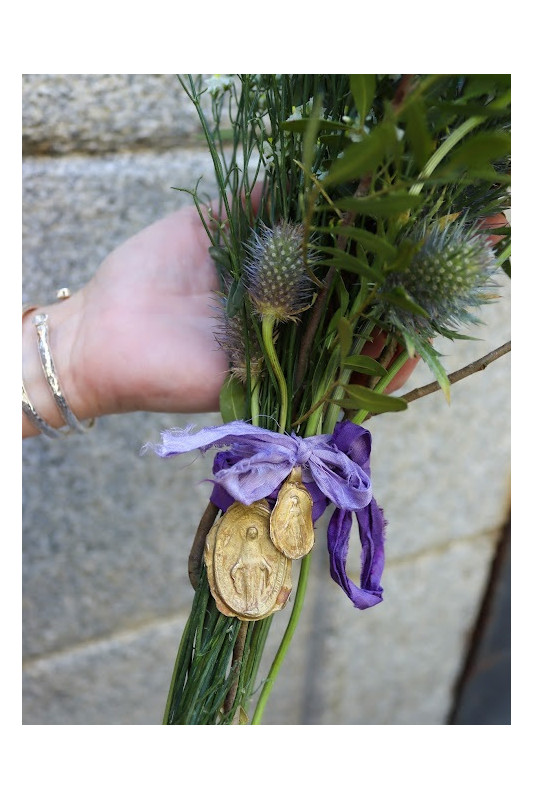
x=106, y=532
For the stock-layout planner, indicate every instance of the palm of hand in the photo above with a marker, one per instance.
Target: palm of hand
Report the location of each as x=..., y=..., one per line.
x=150, y=311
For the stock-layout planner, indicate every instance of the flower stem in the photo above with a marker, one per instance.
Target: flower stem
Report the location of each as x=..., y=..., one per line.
x=344, y=377
x=460, y=374
x=397, y=365
x=267, y=335
x=286, y=639
x=255, y=403
x=444, y=149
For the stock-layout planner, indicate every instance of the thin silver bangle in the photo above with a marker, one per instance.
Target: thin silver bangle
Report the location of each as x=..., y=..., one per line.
x=38, y=421
x=73, y=424
x=41, y=325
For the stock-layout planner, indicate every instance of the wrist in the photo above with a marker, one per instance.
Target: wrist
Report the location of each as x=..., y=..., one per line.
x=63, y=330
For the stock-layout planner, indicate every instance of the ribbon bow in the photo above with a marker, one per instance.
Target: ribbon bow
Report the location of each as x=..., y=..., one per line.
x=335, y=469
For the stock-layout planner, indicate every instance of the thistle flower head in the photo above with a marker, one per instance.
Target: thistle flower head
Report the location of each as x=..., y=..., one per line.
x=238, y=343
x=450, y=272
x=275, y=271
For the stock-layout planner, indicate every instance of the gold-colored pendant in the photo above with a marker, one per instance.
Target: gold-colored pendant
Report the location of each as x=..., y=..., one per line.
x=291, y=524
x=248, y=577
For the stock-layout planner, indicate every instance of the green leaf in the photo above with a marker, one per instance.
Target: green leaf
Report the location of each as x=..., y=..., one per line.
x=351, y=264
x=431, y=358
x=399, y=297
x=417, y=133
x=344, y=329
x=236, y=294
x=474, y=109
x=388, y=205
x=232, y=400
x=333, y=139
x=478, y=85
x=310, y=139
x=362, y=88
x=377, y=403
x=344, y=296
x=365, y=364
x=480, y=150
x=360, y=158
x=221, y=256
x=332, y=325
x=369, y=240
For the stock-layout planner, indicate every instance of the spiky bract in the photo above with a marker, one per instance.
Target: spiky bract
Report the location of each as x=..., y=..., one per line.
x=275, y=271
x=240, y=345
x=450, y=272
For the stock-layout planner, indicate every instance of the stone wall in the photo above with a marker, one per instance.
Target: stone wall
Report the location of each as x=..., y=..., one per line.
x=106, y=532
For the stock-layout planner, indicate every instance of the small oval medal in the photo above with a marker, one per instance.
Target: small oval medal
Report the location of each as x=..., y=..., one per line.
x=249, y=578
x=291, y=526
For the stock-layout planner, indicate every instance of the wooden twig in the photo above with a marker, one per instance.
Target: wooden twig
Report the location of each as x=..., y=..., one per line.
x=237, y=657
x=197, y=548
x=454, y=377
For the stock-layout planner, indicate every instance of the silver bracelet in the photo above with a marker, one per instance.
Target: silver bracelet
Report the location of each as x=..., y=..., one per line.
x=47, y=362
x=37, y=420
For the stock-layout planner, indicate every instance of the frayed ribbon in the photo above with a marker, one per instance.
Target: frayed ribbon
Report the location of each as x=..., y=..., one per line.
x=335, y=469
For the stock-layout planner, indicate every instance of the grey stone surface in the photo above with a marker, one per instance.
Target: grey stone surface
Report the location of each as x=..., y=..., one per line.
x=77, y=209
x=443, y=471
x=106, y=533
x=394, y=665
x=98, y=113
x=118, y=681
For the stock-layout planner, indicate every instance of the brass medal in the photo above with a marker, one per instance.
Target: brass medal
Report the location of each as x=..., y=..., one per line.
x=248, y=577
x=291, y=526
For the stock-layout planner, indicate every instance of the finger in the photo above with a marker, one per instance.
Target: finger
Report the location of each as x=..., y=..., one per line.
x=495, y=221
x=374, y=349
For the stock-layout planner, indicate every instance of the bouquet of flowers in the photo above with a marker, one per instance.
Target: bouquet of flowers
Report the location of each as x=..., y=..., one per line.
x=349, y=232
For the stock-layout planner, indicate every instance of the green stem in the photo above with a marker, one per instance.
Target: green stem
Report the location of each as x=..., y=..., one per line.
x=286, y=639
x=504, y=255
x=445, y=148
x=344, y=377
x=267, y=335
x=255, y=403
x=397, y=365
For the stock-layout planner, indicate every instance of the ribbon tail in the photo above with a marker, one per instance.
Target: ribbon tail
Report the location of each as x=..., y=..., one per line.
x=371, y=525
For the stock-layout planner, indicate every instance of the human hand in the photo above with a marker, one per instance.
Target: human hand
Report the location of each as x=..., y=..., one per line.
x=146, y=333
x=139, y=335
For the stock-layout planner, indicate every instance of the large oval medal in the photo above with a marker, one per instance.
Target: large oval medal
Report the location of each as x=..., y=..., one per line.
x=291, y=526
x=250, y=576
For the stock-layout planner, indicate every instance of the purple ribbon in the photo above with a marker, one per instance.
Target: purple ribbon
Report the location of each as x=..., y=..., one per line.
x=335, y=469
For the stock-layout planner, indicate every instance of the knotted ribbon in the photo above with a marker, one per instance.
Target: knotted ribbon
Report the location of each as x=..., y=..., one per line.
x=335, y=469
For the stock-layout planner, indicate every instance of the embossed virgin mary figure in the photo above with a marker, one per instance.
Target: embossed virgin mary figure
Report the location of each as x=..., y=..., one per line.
x=252, y=571
x=291, y=526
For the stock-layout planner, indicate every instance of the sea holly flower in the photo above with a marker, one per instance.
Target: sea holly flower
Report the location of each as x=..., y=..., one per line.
x=450, y=271
x=275, y=272
x=241, y=346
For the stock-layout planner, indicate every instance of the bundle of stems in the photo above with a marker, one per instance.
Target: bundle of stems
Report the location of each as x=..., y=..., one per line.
x=348, y=235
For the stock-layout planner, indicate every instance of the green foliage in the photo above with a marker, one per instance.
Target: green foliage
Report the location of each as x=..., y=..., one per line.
x=375, y=402
x=362, y=88
x=362, y=164
x=232, y=399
